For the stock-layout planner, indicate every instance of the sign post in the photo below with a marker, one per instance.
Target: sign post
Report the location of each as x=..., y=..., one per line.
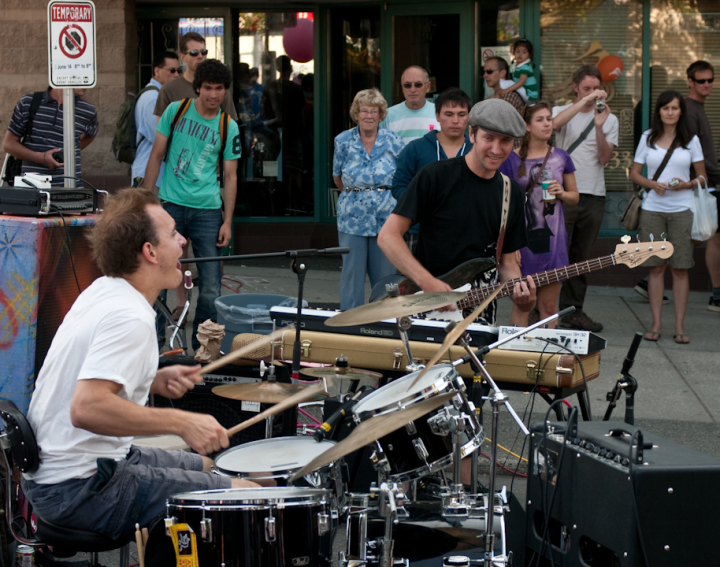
x=72, y=63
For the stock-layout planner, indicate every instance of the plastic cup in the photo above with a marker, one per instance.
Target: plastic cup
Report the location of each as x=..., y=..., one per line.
x=546, y=194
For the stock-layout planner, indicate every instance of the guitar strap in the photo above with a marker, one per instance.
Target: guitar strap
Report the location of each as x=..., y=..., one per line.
x=503, y=217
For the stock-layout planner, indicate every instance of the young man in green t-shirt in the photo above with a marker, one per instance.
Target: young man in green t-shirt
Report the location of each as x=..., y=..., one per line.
x=189, y=191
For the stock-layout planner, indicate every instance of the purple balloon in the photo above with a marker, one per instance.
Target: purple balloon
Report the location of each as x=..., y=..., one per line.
x=298, y=41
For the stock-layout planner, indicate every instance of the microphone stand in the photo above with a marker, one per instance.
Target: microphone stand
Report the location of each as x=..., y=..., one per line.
x=625, y=382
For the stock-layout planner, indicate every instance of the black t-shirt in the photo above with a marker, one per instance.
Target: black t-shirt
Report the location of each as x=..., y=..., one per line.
x=459, y=215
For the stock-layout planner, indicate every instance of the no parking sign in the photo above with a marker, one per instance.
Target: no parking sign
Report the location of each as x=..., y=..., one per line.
x=71, y=44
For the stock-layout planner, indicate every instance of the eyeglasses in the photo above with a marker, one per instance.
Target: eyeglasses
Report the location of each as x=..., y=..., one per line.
x=417, y=85
x=703, y=81
x=489, y=71
x=370, y=111
x=196, y=52
x=172, y=70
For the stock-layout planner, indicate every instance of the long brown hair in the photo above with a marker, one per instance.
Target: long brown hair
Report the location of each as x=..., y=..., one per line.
x=528, y=114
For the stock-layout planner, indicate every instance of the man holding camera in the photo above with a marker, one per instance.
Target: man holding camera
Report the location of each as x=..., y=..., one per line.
x=35, y=134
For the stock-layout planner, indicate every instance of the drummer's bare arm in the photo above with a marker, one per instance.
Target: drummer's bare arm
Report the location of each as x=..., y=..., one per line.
x=174, y=381
x=393, y=244
x=524, y=293
x=97, y=407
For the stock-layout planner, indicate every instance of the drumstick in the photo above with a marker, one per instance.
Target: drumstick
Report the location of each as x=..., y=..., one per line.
x=454, y=335
x=145, y=537
x=293, y=400
x=234, y=355
x=140, y=547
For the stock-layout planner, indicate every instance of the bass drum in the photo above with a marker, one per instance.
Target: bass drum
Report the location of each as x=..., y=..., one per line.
x=257, y=527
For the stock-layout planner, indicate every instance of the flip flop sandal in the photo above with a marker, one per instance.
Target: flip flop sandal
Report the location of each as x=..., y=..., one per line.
x=681, y=339
x=652, y=336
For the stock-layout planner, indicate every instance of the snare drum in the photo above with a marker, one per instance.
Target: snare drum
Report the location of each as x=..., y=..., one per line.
x=257, y=527
x=423, y=446
x=275, y=460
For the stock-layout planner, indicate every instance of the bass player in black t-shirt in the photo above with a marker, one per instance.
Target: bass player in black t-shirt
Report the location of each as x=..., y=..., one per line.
x=458, y=203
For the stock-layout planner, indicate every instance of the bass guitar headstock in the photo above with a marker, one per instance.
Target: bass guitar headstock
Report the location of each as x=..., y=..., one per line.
x=633, y=254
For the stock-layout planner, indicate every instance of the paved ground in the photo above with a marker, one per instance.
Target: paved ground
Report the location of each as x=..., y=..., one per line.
x=679, y=385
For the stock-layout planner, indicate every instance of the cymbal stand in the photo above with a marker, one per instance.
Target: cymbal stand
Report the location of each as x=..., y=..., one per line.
x=403, y=325
x=455, y=503
x=270, y=378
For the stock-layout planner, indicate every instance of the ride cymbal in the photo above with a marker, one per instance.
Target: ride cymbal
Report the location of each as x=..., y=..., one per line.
x=263, y=392
x=395, y=307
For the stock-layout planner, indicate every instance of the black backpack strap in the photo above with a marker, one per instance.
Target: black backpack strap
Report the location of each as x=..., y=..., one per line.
x=582, y=136
x=34, y=107
x=224, y=126
x=179, y=113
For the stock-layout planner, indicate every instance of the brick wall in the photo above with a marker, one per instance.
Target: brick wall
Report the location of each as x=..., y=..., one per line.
x=24, y=68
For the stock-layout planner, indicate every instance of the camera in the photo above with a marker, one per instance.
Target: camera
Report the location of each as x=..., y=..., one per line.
x=58, y=156
x=600, y=104
x=674, y=182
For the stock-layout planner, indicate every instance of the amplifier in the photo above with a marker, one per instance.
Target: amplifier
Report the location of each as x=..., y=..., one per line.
x=603, y=507
x=40, y=202
x=580, y=342
x=422, y=330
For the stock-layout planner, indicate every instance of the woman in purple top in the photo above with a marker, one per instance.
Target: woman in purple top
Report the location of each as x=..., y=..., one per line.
x=545, y=222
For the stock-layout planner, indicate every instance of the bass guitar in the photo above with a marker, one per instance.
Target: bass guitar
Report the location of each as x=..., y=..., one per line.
x=627, y=253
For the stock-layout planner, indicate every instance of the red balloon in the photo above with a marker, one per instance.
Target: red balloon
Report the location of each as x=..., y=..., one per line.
x=298, y=41
x=610, y=67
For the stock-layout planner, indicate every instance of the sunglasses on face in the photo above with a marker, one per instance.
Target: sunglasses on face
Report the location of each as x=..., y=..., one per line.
x=417, y=85
x=196, y=52
x=172, y=70
x=703, y=81
x=489, y=71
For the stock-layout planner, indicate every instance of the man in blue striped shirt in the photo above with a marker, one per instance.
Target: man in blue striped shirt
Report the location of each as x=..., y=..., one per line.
x=46, y=134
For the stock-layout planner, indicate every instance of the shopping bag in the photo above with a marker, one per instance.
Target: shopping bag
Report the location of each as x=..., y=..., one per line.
x=705, y=220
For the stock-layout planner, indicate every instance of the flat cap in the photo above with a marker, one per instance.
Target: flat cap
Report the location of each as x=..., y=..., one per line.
x=498, y=117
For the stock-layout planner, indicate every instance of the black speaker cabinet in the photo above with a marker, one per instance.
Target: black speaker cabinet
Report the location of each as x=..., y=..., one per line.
x=605, y=510
x=228, y=412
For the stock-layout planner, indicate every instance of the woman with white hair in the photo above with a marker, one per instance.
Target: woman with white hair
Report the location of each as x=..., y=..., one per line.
x=363, y=167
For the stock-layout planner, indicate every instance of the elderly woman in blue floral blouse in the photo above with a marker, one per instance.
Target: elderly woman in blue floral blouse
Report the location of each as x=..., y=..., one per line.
x=363, y=167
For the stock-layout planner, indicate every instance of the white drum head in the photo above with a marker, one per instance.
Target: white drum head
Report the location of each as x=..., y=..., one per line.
x=272, y=455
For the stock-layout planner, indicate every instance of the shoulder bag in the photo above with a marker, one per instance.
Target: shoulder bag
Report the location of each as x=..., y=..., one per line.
x=631, y=217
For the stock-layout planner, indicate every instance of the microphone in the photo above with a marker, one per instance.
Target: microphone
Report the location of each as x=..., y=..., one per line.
x=341, y=412
x=630, y=358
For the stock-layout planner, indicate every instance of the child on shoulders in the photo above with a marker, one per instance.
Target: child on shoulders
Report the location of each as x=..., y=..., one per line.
x=523, y=72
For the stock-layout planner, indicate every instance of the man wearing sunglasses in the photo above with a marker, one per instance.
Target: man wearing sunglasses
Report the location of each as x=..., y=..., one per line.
x=192, y=53
x=166, y=67
x=415, y=117
x=700, y=77
x=495, y=74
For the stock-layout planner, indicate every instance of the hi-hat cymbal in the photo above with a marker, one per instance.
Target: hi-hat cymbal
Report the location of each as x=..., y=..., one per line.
x=395, y=307
x=263, y=392
x=371, y=430
x=341, y=373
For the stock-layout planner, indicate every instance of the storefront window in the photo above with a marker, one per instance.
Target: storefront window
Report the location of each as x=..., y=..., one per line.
x=211, y=29
x=608, y=35
x=680, y=36
x=499, y=27
x=273, y=77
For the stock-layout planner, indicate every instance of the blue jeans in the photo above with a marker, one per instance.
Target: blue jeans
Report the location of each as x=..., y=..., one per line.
x=201, y=227
x=365, y=257
x=123, y=493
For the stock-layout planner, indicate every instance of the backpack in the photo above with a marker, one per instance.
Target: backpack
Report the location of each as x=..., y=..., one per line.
x=124, y=143
x=13, y=165
x=224, y=125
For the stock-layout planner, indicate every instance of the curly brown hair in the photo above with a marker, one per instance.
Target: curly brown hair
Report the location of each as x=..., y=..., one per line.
x=122, y=230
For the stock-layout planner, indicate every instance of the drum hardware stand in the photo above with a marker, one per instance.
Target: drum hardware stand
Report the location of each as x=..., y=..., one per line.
x=270, y=378
x=403, y=324
x=627, y=383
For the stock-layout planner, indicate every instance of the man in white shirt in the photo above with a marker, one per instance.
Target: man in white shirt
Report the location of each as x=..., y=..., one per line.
x=165, y=67
x=91, y=391
x=415, y=117
x=589, y=136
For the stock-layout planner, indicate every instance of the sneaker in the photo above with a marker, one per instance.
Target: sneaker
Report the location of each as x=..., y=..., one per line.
x=714, y=304
x=580, y=321
x=641, y=288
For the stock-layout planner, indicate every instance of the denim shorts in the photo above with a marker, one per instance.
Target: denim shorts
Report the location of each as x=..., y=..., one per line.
x=122, y=493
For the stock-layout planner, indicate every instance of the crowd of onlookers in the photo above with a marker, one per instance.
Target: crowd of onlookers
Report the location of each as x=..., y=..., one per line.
x=188, y=144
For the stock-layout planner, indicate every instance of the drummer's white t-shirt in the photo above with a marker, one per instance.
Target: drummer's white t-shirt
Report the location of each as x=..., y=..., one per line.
x=109, y=333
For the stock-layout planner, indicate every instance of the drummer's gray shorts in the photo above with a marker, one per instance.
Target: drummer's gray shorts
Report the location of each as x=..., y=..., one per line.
x=121, y=494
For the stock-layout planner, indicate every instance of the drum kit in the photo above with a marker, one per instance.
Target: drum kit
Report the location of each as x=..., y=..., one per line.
x=419, y=428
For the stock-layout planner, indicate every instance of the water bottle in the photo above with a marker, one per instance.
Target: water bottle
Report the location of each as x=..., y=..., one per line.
x=545, y=179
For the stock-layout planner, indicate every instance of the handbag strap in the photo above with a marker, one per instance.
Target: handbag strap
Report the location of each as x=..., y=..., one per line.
x=538, y=174
x=581, y=137
x=503, y=217
x=666, y=159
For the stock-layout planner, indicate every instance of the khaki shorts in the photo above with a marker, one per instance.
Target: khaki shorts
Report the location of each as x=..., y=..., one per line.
x=678, y=227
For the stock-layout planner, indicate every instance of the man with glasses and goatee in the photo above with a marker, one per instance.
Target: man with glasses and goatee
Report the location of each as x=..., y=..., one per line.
x=415, y=117
x=192, y=53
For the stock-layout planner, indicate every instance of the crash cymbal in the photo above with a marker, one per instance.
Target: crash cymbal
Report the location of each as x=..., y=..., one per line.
x=341, y=373
x=395, y=307
x=263, y=392
x=371, y=430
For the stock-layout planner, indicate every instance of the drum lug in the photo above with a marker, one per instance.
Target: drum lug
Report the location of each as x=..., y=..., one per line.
x=439, y=422
x=270, y=534
x=457, y=402
x=323, y=524
x=206, y=530
x=410, y=428
x=169, y=521
x=420, y=450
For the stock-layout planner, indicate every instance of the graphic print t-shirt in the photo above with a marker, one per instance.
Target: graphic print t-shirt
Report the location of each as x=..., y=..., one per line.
x=190, y=176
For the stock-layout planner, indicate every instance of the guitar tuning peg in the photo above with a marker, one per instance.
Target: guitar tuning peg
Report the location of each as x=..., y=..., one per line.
x=664, y=235
x=652, y=238
x=625, y=239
